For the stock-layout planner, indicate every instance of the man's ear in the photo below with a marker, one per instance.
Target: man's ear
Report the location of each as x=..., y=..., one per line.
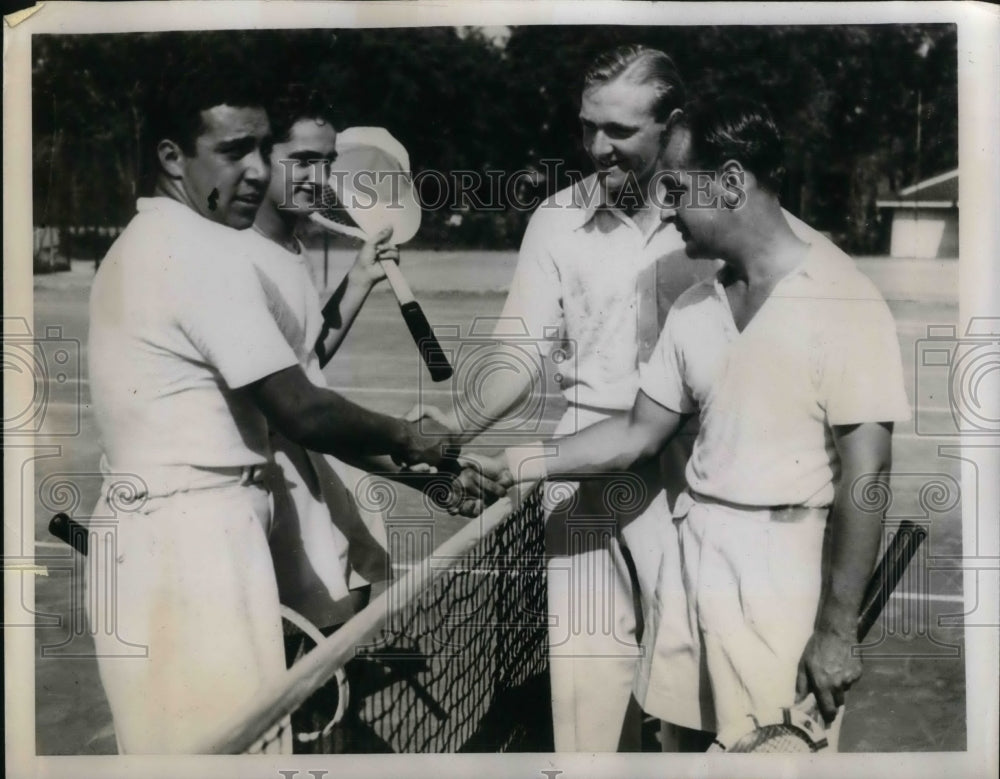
x=668, y=126
x=733, y=183
x=171, y=158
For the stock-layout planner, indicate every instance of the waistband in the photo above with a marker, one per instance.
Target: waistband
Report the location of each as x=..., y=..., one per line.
x=159, y=481
x=777, y=513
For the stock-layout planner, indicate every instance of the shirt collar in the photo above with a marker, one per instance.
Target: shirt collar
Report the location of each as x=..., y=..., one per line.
x=822, y=264
x=590, y=199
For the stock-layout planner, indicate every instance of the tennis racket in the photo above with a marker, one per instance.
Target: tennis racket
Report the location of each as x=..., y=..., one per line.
x=370, y=190
x=800, y=728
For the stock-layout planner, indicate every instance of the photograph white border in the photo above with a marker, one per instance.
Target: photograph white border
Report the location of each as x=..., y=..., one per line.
x=979, y=129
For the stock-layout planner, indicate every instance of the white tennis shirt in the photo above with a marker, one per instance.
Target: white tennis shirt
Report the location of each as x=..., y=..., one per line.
x=590, y=274
x=821, y=351
x=179, y=322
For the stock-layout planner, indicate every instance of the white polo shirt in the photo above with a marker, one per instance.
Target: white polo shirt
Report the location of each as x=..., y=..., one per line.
x=589, y=274
x=178, y=322
x=821, y=351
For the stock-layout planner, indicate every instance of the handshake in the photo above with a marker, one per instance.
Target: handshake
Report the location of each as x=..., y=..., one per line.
x=474, y=481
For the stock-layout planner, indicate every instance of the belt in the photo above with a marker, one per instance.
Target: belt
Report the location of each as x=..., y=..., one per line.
x=787, y=511
x=154, y=481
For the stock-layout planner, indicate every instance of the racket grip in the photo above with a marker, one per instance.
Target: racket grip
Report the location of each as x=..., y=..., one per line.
x=70, y=531
x=430, y=350
x=888, y=572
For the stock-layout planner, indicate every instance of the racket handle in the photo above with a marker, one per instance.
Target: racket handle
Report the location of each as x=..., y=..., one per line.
x=69, y=530
x=400, y=287
x=423, y=336
x=888, y=572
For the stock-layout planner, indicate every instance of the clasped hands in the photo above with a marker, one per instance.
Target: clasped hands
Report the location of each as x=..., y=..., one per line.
x=475, y=481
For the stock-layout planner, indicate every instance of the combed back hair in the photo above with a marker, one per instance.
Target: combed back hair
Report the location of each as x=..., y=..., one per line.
x=298, y=102
x=200, y=71
x=640, y=65
x=729, y=127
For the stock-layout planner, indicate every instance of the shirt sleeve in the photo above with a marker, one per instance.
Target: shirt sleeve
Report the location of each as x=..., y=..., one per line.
x=224, y=313
x=863, y=380
x=533, y=307
x=662, y=377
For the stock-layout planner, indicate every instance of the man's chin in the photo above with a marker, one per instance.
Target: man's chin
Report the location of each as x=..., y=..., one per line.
x=239, y=220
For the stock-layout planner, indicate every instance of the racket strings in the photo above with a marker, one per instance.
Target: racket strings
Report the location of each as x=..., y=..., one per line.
x=330, y=207
x=776, y=739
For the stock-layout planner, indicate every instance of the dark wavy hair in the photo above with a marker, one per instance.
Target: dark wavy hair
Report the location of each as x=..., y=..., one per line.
x=729, y=127
x=199, y=71
x=300, y=101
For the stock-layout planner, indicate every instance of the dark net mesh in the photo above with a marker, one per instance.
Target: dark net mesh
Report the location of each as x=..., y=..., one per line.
x=461, y=666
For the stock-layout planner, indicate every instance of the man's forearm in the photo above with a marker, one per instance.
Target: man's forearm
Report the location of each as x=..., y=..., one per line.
x=503, y=390
x=855, y=534
x=332, y=424
x=611, y=445
x=339, y=314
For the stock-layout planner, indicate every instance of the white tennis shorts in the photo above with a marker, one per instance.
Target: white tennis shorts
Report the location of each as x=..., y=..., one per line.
x=751, y=581
x=191, y=580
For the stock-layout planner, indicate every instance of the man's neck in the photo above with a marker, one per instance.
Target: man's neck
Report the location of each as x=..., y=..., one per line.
x=276, y=225
x=768, y=249
x=175, y=191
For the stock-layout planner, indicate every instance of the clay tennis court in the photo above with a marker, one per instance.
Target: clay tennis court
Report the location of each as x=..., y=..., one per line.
x=912, y=697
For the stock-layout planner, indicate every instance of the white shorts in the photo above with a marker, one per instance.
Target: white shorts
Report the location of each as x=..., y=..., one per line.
x=191, y=580
x=752, y=580
x=323, y=543
x=671, y=681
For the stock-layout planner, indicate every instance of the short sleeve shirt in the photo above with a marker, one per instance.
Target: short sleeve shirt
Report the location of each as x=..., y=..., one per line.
x=821, y=351
x=178, y=324
x=292, y=297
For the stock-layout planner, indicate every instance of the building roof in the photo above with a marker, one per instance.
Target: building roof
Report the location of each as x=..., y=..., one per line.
x=936, y=192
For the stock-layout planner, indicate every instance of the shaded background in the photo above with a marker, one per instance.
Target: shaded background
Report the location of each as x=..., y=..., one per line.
x=866, y=110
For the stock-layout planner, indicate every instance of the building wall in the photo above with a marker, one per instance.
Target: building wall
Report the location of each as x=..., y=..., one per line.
x=924, y=232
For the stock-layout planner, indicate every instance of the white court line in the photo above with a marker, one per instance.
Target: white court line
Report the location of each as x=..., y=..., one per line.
x=941, y=598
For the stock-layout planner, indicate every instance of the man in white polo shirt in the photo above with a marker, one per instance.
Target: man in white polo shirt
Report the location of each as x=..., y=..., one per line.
x=790, y=358
x=187, y=369
x=592, y=263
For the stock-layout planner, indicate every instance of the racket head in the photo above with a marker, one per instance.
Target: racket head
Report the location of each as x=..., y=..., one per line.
x=313, y=722
x=372, y=183
x=793, y=730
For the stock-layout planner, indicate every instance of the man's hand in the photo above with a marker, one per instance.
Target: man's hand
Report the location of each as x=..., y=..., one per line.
x=367, y=268
x=430, y=443
x=491, y=469
x=827, y=669
x=471, y=491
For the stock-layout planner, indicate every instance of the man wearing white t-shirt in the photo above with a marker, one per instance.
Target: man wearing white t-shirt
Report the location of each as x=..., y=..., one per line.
x=187, y=369
x=789, y=357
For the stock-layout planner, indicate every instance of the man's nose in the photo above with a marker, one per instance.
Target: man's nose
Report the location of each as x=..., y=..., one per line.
x=600, y=144
x=258, y=167
x=668, y=214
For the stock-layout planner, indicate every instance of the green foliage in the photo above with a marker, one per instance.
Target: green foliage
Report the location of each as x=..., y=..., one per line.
x=846, y=96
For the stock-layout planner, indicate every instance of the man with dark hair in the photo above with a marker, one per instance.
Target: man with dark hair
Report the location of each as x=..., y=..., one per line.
x=187, y=371
x=328, y=548
x=790, y=358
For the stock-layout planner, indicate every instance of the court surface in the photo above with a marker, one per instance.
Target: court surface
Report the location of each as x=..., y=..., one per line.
x=912, y=696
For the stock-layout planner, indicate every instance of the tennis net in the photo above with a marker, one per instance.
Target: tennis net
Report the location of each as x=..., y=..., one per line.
x=451, y=657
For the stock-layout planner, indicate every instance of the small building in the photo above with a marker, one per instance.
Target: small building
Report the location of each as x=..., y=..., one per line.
x=925, y=218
